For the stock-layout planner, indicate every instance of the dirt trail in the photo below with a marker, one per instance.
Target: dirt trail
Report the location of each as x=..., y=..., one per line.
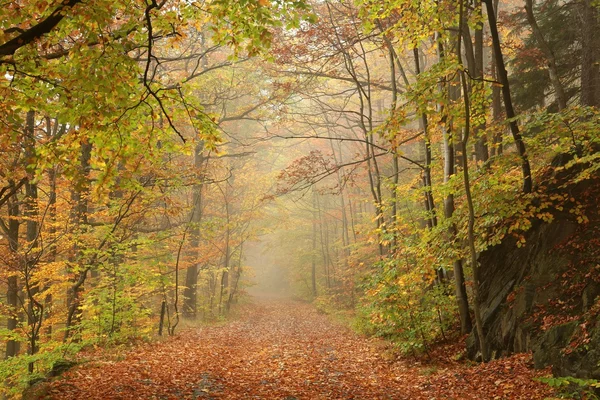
x=285, y=350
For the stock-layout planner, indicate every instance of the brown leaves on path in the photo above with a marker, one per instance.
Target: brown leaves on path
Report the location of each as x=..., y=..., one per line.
x=286, y=350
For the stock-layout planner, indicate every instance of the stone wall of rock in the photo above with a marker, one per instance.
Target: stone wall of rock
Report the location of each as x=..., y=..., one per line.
x=542, y=297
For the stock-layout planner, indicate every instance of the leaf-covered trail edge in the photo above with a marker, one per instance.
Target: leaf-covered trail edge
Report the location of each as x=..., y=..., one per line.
x=286, y=350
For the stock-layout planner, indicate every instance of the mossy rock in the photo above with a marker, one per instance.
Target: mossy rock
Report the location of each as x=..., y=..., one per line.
x=548, y=347
x=60, y=367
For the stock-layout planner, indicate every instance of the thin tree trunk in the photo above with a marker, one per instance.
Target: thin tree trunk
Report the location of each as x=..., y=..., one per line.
x=324, y=252
x=80, y=195
x=176, y=299
x=590, y=54
x=352, y=218
x=12, y=292
x=496, y=110
x=471, y=222
x=225, y=274
x=431, y=218
x=331, y=264
x=52, y=251
x=237, y=276
x=449, y=171
x=161, y=321
x=314, y=244
x=510, y=113
x=34, y=308
x=340, y=183
x=474, y=58
x=473, y=252
x=53, y=132
x=482, y=153
x=190, y=293
x=559, y=90
x=395, y=165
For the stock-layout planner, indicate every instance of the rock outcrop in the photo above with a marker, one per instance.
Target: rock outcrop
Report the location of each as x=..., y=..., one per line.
x=542, y=297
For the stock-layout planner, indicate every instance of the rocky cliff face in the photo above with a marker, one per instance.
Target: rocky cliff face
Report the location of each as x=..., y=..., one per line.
x=542, y=297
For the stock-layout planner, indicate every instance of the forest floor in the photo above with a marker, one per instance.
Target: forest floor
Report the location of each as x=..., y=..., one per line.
x=281, y=349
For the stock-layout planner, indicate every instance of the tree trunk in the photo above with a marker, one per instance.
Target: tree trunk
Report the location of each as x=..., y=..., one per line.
x=510, y=113
x=431, y=218
x=352, y=218
x=473, y=253
x=482, y=153
x=474, y=58
x=590, y=54
x=79, y=216
x=12, y=289
x=52, y=251
x=460, y=289
x=324, y=250
x=341, y=184
x=313, y=271
x=471, y=222
x=190, y=293
x=395, y=164
x=236, y=281
x=559, y=91
x=496, y=110
x=225, y=275
x=34, y=308
x=161, y=321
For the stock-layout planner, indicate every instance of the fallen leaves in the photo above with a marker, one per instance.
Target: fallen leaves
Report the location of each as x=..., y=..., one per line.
x=283, y=349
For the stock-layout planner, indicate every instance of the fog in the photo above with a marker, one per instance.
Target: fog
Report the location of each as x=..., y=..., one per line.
x=267, y=273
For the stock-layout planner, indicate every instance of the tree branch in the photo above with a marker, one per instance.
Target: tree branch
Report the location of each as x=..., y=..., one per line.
x=37, y=31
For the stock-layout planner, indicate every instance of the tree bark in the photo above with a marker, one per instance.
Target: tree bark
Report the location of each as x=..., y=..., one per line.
x=431, y=218
x=37, y=31
x=79, y=216
x=395, y=163
x=590, y=54
x=190, y=293
x=460, y=289
x=313, y=271
x=34, y=308
x=225, y=275
x=510, y=113
x=559, y=90
x=470, y=207
x=482, y=152
x=12, y=292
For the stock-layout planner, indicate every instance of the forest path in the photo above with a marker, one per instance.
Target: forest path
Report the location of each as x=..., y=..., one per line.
x=281, y=349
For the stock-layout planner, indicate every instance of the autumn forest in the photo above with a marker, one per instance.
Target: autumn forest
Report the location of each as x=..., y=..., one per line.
x=298, y=199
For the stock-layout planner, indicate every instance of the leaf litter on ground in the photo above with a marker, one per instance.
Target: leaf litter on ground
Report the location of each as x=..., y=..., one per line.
x=282, y=349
